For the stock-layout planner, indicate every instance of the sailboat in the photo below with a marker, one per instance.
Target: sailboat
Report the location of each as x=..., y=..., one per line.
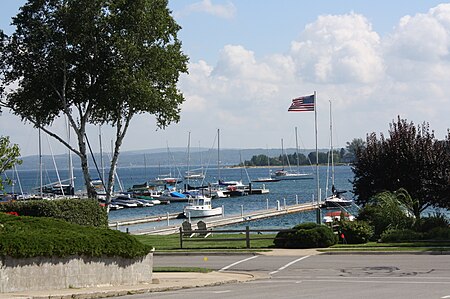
x=192, y=174
x=269, y=178
x=283, y=174
x=336, y=199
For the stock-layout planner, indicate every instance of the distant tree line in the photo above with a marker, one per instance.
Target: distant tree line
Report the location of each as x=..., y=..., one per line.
x=291, y=159
x=343, y=155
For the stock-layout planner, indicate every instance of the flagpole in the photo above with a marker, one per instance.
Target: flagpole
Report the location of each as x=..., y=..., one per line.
x=318, y=211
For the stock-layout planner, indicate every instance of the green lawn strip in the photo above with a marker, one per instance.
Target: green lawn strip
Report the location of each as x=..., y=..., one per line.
x=405, y=246
x=181, y=269
x=172, y=242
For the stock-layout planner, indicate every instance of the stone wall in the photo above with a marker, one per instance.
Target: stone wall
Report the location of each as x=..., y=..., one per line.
x=45, y=273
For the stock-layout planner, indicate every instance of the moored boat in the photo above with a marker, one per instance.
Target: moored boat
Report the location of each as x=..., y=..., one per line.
x=282, y=174
x=200, y=206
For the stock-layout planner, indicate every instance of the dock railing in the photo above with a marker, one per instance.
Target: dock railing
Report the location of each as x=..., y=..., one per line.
x=190, y=236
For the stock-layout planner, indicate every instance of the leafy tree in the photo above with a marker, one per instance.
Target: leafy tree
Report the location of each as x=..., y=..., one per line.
x=95, y=62
x=323, y=157
x=410, y=158
x=353, y=147
x=9, y=154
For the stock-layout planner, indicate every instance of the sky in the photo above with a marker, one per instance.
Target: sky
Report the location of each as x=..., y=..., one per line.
x=373, y=60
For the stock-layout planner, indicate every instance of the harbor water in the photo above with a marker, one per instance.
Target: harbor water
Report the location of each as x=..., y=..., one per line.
x=287, y=192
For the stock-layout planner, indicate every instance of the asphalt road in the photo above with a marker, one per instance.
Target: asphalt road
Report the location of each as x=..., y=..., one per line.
x=320, y=276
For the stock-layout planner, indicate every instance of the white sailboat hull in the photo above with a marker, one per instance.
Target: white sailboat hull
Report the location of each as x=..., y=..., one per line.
x=293, y=176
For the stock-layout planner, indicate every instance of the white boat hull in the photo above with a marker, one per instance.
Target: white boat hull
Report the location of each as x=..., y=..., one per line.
x=201, y=211
x=292, y=176
x=336, y=202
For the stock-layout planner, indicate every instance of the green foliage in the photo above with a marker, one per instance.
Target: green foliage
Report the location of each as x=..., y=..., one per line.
x=78, y=211
x=356, y=232
x=400, y=235
x=353, y=147
x=306, y=235
x=96, y=62
x=410, y=158
x=438, y=233
x=385, y=211
x=438, y=220
x=9, y=155
x=25, y=237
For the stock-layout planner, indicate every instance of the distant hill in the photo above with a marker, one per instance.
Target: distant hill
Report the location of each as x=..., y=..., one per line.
x=161, y=157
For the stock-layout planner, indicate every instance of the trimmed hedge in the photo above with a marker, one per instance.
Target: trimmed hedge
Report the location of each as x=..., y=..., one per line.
x=25, y=237
x=400, y=235
x=356, y=232
x=77, y=211
x=307, y=235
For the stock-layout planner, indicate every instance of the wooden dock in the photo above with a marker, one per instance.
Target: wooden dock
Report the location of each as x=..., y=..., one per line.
x=213, y=222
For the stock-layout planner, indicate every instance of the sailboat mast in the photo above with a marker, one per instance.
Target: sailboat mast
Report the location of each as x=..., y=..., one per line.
x=71, y=177
x=218, y=154
x=296, y=150
x=331, y=147
x=189, y=155
x=101, y=152
x=40, y=164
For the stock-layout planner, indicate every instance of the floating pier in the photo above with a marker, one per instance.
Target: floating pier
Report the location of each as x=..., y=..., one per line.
x=214, y=221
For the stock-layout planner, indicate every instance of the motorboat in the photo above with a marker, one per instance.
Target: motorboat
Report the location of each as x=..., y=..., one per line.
x=200, y=206
x=282, y=174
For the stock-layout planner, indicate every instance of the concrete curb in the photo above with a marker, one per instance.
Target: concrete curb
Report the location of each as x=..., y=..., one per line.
x=385, y=252
x=198, y=253
x=167, y=282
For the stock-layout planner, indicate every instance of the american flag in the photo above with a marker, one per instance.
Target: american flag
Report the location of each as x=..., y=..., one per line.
x=301, y=104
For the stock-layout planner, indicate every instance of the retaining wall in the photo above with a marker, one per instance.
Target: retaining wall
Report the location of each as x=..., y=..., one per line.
x=45, y=273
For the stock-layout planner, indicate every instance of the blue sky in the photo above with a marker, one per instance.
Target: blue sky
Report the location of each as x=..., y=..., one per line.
x=374, y=60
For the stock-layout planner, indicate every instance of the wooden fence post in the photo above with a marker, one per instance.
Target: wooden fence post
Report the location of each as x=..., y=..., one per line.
x=247, y=236
x=181, y=237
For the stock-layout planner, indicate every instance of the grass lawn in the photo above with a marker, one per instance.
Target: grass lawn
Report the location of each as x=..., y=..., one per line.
x=214, y=242
x=405, y=246
x=211, y=243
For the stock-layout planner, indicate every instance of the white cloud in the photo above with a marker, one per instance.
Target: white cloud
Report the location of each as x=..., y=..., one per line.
x=226, y=11
x=338, y=49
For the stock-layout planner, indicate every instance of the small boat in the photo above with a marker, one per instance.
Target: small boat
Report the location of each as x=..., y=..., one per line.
x=200, y=206
x=114, y=206
x=336, y=200
x=282, y=174
x=191, y=175
x=266, y=180
x=126, y=203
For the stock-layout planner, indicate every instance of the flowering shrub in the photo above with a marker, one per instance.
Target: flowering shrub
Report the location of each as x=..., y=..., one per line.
x=12, y=213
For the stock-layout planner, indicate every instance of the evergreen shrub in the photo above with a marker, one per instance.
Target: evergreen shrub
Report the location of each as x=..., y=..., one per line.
x=26, y=237
x=400, y=235
x=306, y=235
x=78, y=211
x=356, y=232
x=437, y=220
x=438, y=233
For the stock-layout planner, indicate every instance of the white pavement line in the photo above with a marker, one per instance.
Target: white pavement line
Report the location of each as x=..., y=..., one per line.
x=448, y=296
x=288, y=264
x=238, y=262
